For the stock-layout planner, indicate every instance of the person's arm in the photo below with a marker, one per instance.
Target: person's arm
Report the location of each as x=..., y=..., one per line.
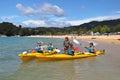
x=73, y=49
x=86, y=47
x=94, y=49
x=41, y=47
x=64, y=43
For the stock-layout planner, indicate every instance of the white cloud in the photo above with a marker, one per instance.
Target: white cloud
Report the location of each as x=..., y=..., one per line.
x=25, y=10
x=33, y=23
x=57, y=24
x=42, y=23
x=51, y=9
x=49, y=15
x=101, y=18
x=46, y=9
x=7, y=18
x=62, y=23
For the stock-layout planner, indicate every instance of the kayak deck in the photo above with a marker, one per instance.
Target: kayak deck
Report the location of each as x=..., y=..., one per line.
x=63, y=56
x=66, y=56
x=28, y=56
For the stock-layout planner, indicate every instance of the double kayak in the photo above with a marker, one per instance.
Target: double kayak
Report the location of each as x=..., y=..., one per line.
x=57, y=56
x=76, y=55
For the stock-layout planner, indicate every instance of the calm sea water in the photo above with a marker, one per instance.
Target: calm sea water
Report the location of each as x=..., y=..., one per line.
x=102, y=67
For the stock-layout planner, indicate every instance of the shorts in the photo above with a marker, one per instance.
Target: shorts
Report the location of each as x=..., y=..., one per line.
x=66, y=47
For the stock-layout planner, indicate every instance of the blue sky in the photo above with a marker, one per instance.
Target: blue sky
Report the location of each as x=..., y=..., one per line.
x=60, y=13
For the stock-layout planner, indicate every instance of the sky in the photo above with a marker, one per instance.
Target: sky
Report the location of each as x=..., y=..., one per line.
x=57, y=13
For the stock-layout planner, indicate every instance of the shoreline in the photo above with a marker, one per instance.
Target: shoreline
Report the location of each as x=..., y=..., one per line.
x=111, y=39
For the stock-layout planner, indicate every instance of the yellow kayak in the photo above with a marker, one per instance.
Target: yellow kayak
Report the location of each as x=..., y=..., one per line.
x=31, y=55
x=53, y=56
x=28, y=56
x=77, y=55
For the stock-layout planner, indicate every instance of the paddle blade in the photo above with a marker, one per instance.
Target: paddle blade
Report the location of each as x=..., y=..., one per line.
x=76, y=41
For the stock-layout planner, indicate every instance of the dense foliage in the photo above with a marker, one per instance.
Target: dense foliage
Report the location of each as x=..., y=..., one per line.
x=10, y=29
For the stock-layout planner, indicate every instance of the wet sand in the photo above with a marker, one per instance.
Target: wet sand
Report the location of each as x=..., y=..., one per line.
x=112, y=39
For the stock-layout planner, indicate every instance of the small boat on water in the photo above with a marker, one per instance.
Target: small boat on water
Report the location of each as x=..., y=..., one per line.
x=76, y=55
x=57, y=56
x=26, y=56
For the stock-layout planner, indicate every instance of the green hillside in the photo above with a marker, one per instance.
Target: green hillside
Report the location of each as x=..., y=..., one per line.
x=9, y=29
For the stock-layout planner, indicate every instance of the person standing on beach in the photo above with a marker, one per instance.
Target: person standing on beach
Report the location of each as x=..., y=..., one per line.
x=66, y=44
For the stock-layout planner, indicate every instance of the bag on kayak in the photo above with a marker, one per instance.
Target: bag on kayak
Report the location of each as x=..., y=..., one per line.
x=33, y=51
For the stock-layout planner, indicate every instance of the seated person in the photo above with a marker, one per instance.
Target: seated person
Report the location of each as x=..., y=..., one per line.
x=91, y=48
x=50, y=47
x=70, y=50
x=39, y=47
x=66, y=44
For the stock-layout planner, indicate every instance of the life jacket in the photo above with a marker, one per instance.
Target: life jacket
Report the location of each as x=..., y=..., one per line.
x=50, y=48
x=91, y=49
x=70, y=52
x=38, y=49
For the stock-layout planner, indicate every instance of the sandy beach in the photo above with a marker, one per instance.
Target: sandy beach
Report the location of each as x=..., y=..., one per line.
x=112, y=39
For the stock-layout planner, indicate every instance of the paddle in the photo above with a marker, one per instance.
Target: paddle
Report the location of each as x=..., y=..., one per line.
x=77, y=42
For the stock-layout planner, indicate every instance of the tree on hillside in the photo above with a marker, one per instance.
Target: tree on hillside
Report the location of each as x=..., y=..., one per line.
x=8, y=29
x=101, y=29
x=117, y=28
x=105, y=29
x=97, y=29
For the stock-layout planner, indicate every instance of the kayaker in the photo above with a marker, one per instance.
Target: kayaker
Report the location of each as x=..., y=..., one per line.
x=50, y=47
x=66, y=44
x=39, y=47
x=91, y=48
x=71, y=50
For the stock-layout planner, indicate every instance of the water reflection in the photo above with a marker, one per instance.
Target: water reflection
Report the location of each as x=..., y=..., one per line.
x=63, y=69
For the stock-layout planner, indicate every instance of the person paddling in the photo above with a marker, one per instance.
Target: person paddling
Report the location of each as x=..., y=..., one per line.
x=91, y=48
